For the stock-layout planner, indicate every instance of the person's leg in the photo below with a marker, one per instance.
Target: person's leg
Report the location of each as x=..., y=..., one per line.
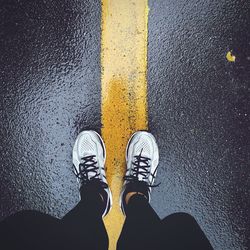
x=142, y=159
x=83, y=226
x=28, y=230
x=143, y=229
x=140, y=227
x=84, y=223
x=180, y=231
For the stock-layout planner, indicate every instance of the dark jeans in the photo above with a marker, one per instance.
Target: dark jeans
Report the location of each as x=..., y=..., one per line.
x=83, y=228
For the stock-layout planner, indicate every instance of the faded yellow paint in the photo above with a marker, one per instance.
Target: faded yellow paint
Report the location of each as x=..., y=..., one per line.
x=230, y=57
x=124, y=91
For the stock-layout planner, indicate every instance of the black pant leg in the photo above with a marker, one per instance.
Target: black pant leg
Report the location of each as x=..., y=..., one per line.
x=180, y=231
x=139, y=230
x=84, y=227
x=28, y=230
x=144, y=230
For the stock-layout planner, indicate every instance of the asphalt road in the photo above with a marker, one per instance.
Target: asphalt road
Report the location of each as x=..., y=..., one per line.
x=198, y=107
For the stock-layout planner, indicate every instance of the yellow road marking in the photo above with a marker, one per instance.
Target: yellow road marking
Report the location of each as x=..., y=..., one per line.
x=124, y=91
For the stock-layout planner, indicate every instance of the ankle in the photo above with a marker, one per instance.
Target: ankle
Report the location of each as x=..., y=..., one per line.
x=132, y=194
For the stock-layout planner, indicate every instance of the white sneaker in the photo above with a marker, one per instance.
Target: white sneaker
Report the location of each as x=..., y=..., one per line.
x=89, y=155
x=142, y=157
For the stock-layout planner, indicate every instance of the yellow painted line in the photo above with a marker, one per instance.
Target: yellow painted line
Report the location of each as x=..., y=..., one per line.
x=124, y=91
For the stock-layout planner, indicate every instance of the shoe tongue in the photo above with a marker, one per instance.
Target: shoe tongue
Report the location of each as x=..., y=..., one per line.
x=87, y=154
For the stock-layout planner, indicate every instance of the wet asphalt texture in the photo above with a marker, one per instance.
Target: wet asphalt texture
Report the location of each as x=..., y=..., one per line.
x=199, y=107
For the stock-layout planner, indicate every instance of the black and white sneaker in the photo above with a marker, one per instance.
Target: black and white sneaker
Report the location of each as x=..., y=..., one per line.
x=89, y=155
x=142, y=158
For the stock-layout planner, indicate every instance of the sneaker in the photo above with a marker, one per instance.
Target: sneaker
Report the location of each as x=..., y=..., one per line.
x=142, y=158
x=89, y=155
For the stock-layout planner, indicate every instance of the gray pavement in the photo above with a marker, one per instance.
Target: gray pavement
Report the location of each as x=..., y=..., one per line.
x=50, y=91
x=198, y=107
x=199, y=112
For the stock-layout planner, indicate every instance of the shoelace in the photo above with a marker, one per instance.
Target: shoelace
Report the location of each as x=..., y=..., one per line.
x=87, y=166
x=142, y=167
